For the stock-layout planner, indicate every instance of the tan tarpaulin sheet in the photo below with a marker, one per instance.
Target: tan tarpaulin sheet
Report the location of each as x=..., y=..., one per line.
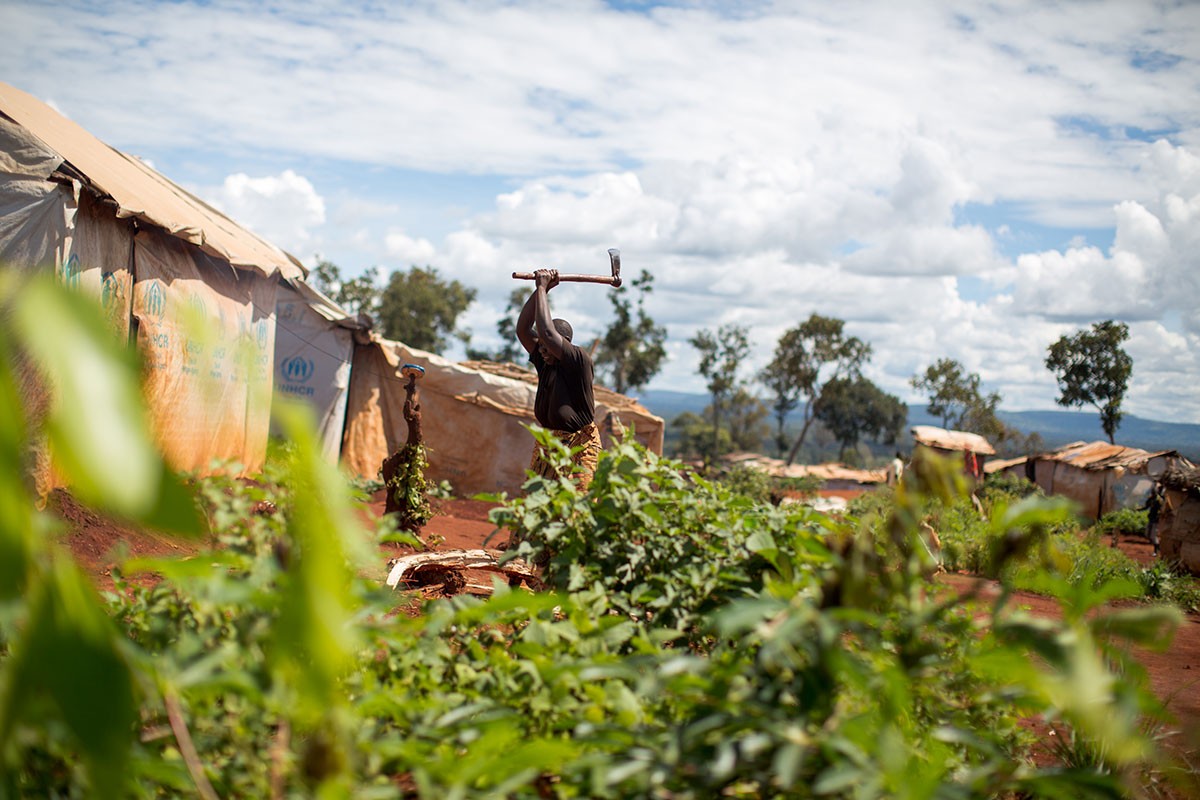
x=207, y=336
x=206, y=403
x=313, y=355
x=45, y=226
x=141, y=192
x=99, y=264
x=471, y=419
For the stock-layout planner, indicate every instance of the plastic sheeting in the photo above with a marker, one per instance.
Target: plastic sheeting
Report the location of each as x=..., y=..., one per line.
x=37, y=216
x=207, y=336
x=139, y=191
x=471, y=421
x=313, y=355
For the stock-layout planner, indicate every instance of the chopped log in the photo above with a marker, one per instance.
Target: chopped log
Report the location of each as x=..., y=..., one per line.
x=406, y=566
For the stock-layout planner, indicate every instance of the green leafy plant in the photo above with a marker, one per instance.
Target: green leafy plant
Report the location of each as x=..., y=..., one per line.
x=408, y=487
x=1123, y=520
x=695, y=643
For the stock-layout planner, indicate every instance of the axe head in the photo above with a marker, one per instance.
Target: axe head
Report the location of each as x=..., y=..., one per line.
x=614, y=256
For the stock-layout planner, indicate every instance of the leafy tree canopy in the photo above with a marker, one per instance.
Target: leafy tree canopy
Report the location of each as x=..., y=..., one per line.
x=696, y=439
x=632, y=351
x=806, y=358
x=854, y=408
x=747, y=420
x=510, y=349
x=421, y=309
x=357, y=295
x=956, y=398
x=721, y=354
x=1093, y=369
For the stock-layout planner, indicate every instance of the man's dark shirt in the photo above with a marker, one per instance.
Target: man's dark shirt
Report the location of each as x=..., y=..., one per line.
x=564, y=395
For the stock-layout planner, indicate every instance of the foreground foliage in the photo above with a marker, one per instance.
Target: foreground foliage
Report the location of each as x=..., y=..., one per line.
x=694, y=644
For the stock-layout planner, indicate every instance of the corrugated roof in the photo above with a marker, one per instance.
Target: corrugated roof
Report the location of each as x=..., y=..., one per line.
x=996, y=465
x=943, y=439
x=828, y=472
x=1102, y=455
x=142, y=193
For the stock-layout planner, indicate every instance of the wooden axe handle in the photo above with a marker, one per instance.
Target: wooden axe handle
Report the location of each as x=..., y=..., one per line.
x=573, y=278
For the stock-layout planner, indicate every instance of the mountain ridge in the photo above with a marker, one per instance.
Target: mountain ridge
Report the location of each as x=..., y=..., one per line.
x=1056, y=428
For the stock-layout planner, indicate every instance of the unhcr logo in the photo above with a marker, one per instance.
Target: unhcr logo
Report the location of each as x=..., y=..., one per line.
x=112, y=292
x=297, y=369
x=156, y=301
x=71, y=270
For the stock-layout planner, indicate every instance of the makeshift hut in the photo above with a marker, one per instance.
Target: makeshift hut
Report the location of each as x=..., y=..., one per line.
x=970, y=447
x=195, y=290
x=833, y=477
x=1021, y=466
x=1102, y=477
x=472, y=417
x=1179, y=520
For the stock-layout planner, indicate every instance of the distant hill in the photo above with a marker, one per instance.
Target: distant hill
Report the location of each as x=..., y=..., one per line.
x=1056, y=427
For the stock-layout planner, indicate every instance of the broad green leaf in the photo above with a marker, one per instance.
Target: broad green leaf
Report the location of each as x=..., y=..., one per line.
x=97, y=426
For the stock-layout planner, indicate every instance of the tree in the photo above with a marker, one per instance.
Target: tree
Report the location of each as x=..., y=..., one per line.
x=746, y=415
x=696, y=439
x=510, y=350
x=720, y=356
x=1091, y=367
x=853, y=408
x=420, y=309
x=806, y=358
x=632, y=350
x=357, y=295
x=955, y=398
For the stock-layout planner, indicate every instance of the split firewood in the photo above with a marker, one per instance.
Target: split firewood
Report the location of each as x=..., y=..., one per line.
x=404, y=570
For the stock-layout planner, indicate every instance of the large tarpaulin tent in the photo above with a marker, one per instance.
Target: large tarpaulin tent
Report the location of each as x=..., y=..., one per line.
x=472, y=417
x=196, y=289
x=158, y=257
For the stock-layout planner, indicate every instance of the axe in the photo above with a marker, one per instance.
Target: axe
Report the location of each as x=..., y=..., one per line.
x=614, y=280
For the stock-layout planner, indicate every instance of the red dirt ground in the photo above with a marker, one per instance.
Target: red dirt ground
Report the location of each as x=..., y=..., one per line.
x=99, y=544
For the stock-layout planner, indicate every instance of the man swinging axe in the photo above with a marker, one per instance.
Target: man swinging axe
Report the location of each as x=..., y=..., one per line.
x=564, y=404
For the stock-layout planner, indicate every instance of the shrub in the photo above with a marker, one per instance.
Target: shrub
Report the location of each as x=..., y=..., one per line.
x=1123, y=520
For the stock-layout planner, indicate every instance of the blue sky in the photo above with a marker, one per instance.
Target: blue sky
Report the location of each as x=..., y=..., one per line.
x=961, y=180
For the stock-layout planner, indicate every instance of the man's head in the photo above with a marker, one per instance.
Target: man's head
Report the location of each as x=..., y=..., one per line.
x=564, y=330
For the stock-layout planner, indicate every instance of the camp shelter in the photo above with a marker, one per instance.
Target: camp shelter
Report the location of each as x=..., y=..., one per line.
x=1101, y=477
x=195, y=290
x=472, y=417
x=314, y=350
x=970, y=447
x=833, y=476
x=1021, y=466
x=1179, y=521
